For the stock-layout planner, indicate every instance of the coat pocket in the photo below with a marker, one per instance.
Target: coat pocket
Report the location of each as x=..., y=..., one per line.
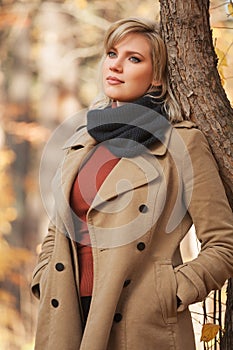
x=166, y=287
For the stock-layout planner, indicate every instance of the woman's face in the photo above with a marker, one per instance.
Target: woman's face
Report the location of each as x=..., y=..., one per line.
x=127, y=69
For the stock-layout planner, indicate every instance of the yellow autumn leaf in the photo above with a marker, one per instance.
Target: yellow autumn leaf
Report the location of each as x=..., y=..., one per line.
x=209, y=331
x=230, y=8
x=222, y=77
x=221, y=56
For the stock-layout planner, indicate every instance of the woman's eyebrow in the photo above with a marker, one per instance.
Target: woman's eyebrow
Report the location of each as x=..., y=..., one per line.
x=131, y=52
x=134, y=52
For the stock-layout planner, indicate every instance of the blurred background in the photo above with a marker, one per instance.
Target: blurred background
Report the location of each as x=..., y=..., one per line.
x=49, y=54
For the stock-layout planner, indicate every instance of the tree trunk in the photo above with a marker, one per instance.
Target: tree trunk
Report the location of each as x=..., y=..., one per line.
x=196, y=83
x=227, y=341
x=195, y=79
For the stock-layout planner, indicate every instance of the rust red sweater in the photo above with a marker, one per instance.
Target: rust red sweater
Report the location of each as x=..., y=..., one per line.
x=84, y=189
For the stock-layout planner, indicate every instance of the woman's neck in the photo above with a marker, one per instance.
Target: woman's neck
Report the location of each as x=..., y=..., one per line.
x=118, y=103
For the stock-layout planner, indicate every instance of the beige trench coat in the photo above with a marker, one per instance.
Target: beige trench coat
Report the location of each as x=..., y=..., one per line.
x=143, y=210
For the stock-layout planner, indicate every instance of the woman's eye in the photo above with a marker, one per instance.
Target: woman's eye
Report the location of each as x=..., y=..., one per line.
x=135, y=59
x=111, y=54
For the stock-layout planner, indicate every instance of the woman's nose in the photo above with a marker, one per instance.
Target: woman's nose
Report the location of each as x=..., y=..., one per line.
x=116, y=66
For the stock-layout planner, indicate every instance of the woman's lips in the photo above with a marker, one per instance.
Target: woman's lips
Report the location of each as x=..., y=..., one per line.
x=114, y=80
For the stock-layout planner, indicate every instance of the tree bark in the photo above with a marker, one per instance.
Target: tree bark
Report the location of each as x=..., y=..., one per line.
x=197, y=86
x=227, y=340
x=195, y=79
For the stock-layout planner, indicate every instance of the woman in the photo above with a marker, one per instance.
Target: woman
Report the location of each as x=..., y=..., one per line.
x=132, y=182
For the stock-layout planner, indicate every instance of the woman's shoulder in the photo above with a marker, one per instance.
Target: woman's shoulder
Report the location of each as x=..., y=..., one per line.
x=192, y=136
x=188, y=130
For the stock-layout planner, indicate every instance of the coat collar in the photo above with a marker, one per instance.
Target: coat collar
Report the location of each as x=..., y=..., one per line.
x=161, y=148
x=82, y=138
x=140, y=170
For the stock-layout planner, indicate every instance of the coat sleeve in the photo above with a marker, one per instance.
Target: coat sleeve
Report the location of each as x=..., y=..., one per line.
x=43, y=260
x=212, y=217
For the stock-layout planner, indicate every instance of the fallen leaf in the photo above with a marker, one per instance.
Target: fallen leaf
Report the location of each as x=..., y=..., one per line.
x=209, y=331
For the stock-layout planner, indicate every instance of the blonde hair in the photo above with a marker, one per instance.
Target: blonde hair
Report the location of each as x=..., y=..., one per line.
x=150, y=30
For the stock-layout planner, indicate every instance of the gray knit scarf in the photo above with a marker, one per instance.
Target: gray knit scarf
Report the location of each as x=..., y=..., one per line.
x=126, y=130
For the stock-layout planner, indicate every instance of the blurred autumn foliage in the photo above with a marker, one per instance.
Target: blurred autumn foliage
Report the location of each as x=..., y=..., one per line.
x=48, y=71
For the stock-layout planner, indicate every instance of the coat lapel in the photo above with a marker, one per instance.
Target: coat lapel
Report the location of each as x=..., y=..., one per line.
x=127, y=175
x=61, y=186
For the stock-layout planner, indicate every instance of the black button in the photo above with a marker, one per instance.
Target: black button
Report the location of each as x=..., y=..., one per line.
x=141, y=246
x=126, y=283
x=55, y=302
x=59, y=267
x=143, y=208
x=117, y=317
